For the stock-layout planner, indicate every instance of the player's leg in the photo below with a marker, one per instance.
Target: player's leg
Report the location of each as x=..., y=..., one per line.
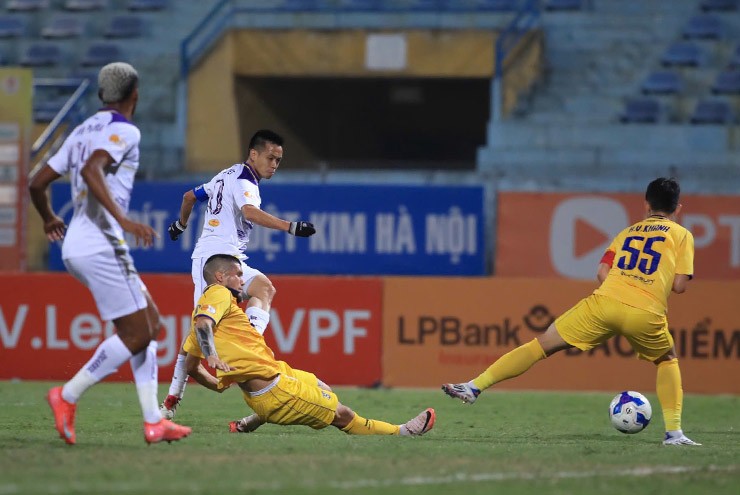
x=649, y=336
x=353, y=424
x=259, y=291
x=168, y=408
x=577, y=327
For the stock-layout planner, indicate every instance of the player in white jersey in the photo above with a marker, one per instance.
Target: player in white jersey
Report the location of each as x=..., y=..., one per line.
x=233, y=208
x=101, y=156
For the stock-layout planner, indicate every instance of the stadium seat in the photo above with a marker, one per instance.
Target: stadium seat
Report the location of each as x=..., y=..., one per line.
x=497, y=5
x=99, y=54
x=703, y=27
x=682, y=54
x=662, y=83
x=727, y=82
x=641, y=111
x=11, y=27
x=26, y=5
x=85, y=5
x=63, y=27
x=563, y=5
x=41, y=55
x=735, y=58
x=712, y=112
x=124, y=26
x=425, y=5
x=146, y=5
x=719, y=5
x=360, y=5
x=44, y=110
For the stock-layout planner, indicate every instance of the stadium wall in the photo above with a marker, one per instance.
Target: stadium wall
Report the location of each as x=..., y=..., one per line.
x=394, y=331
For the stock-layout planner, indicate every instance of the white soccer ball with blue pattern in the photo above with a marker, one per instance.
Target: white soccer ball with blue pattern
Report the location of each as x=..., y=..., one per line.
x=630, y=412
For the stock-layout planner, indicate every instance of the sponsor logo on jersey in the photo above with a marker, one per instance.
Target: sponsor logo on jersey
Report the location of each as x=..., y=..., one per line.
x=213, y=222
x=116, y=139
x=247, y=194
x=208, y=308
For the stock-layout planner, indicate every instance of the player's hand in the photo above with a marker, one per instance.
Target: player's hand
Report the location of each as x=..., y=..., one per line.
x=143, y=233
x=175, y=229
x=215, y=363
x=301, y=229
x=55, y=229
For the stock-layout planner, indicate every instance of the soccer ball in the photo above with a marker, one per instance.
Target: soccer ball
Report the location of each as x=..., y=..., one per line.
x=630, y=412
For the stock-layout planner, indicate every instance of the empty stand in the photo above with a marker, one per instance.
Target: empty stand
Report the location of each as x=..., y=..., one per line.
x=662, y=83
x=12, y=27
x=727, y=82
x=641, y=111
x=63, y=27
x=99, y=54
x=85, y=5
x=719, y=5
x=563, y=5
x=146, y=5
x=712, y=112
x=42, y=55
x=124, y=26
x=26, y=5
x=703, y=27
x=682, y=54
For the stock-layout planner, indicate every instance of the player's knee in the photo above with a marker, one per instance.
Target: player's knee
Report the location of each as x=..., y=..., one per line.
x=343, y=416
x=668, y=356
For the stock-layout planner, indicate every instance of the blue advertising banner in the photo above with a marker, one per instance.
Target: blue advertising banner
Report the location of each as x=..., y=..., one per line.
x=360, y=229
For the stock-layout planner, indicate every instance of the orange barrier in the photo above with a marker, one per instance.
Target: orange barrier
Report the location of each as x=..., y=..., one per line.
x=564, y=235
x=449, y=330
x=49, y=326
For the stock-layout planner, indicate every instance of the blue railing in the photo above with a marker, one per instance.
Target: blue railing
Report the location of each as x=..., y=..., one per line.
x=70, y=113
x=525, y=20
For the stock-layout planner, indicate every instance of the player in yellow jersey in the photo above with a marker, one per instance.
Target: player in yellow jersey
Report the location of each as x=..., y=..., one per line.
x=223, y=335
x=641, y=267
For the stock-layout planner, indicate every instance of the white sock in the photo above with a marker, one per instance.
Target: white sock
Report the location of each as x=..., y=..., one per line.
x=179, y=377
x=144, y=367
x=108, y=357
x=403, y=431
x=259, y=318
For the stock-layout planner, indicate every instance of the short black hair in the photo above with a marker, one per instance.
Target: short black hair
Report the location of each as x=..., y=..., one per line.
x=262, y=137
x=217, y=263
x=662, y=194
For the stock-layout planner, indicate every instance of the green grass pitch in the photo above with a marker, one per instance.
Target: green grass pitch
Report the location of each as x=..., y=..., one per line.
x=508, y=442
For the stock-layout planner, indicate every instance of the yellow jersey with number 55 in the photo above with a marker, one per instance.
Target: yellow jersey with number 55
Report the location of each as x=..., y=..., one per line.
x=645, y=258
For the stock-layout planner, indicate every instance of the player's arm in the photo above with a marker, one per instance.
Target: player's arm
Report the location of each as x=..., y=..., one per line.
x=93, y=175
x=200, y=375
x=53, y=225
x=204, y=335
x=680, y=283
x=189, y=199
x=605, y=265
x=256, y=215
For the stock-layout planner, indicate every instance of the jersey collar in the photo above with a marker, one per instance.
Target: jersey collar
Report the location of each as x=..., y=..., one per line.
x=249, y=174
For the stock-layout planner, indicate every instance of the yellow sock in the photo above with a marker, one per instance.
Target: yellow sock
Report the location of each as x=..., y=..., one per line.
x=670, y=393
x=362, y=426
x=511, y=364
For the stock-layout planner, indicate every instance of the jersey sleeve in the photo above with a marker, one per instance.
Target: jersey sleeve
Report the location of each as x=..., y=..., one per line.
x=59, y=162
x=118, y=139
x=685, y=256
x=246, y=193
x=201, y=194
x=214, y=303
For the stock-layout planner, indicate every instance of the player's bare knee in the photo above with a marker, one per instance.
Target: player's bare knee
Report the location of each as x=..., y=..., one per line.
x=666, y=357
x=343, y=416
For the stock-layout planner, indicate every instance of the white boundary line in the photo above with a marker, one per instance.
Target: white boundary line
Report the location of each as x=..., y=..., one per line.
x=50, y=487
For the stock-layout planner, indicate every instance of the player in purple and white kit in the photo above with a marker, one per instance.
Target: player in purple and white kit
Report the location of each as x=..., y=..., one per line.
x=101, y=156
x=233, y=209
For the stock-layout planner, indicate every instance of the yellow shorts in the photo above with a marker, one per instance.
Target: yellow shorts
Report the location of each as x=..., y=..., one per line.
x=597, y=318
x=293, y=402
x=304, y=376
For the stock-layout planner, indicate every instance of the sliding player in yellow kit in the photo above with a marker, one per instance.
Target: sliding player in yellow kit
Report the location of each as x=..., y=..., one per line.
x=653, y=257
x=223, y=335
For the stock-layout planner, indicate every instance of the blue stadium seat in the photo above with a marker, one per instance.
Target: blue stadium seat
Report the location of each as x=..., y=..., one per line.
x=497, y=5
x=146, y=5
x=641, y=111
x=99, y=54
x=425, y=5
x=682, y=54
x=12, y=27
x=563, y=5
x=44, y=110
x=85, y=5
x=26, y=5
x=42, y=55
x=302, y=5
x=719, y=5
x=703, y=27
x=63, y=27
x=735, y=58
x=360, y=5
x=712, y=112
x=662, y=83
x=124, y=26
x=727, y=82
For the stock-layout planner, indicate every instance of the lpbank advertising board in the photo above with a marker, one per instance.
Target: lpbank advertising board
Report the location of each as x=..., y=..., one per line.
x=360, y=229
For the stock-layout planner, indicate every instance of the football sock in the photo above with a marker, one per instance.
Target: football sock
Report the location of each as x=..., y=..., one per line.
x=670, y=393
x=362, y=426
x=259, y=318
x=144, y=367
x=179, y=377
x=108, y=357
x=511, y=364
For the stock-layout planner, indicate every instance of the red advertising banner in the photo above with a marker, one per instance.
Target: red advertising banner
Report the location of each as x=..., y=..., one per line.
x=565, y=235
x=442, y=330
x=49, y=326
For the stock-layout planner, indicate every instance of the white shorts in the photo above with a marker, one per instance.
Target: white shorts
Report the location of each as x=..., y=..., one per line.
x=113, y=281
x=199, y=284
